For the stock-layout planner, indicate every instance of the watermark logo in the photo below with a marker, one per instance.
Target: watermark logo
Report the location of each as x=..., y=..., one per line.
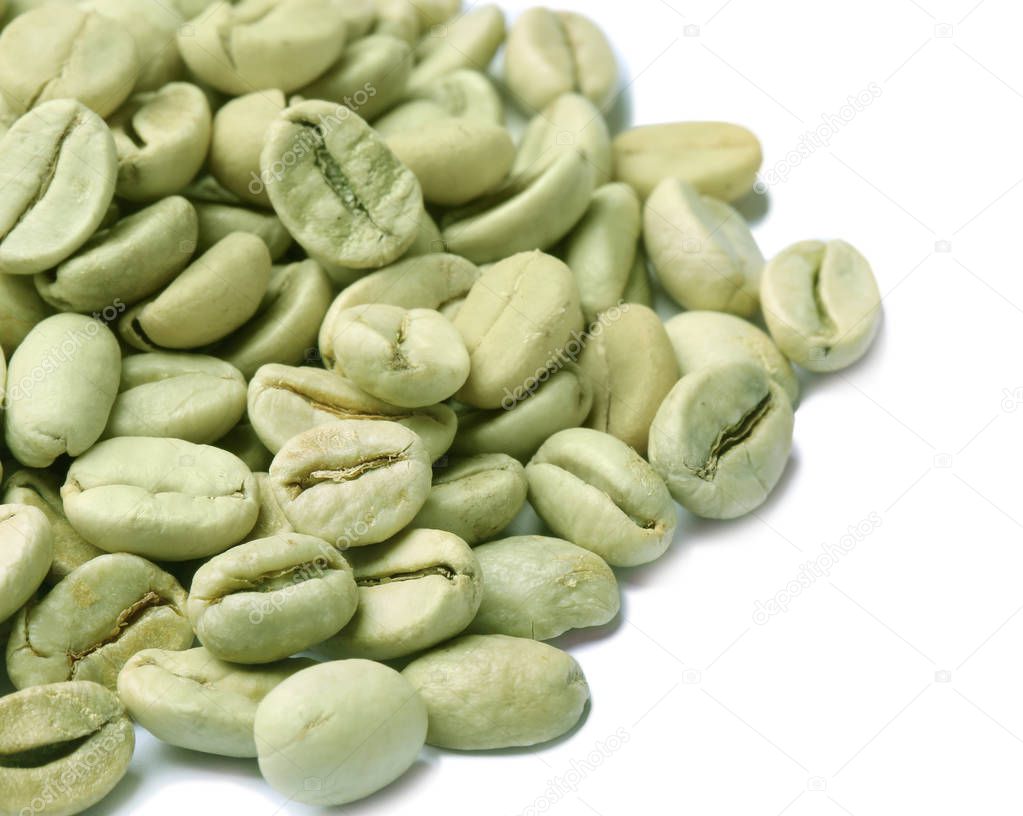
x=831, y=124
x=810, y=572
x=578, y=771
x=309, y=139
x=557, y=359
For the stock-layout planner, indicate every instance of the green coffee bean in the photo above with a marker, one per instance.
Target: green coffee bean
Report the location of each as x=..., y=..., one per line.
x=165, y=499
x=408, y=117
x=162, y=138
x=475, y=498
x=527, y=214
x=539, y=587
x=67, y=52
x=216, y=294
x=183, y=396
x=89, y=624
x=359, y=16
x=193, y=700
x=469, y=42
x=721, y=439
x=369, y=77
x=542, y=406
x=821, y=304
x=284, y=328
x=339, y=731
x=206, y=189
x=493, y=691
x=637, y=289
x=26, y=553
x=337, y=187
x=569, y=124
x=427, y=241
x=271, y=520
x=20, y=309
x=456, y=160
x=217, y=221
x=702, y=250
x=706, y=339
x=516, y=321
x=551, y=53
x=285, y=401
x=411, y=358
x=436, y=281
x=598, y=493
x=190, y=9
x=352, y=482
x=130, y=260
x=464, y=93
x=239, y=130
x=257, y=44
x=67, y=360
x=58, y=732
x=41, y=489
x=631, y=365
x=435, y=12
x=415, y=591
x=397, y=18
x=153, y=27
x=270, y=598
x=717, y=158
x=243, y=442
x=64, y=150
x=601, y=249
x=467, y=94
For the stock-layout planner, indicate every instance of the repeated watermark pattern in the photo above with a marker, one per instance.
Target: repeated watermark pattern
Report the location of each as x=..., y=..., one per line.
x=819, y=137
x=309, y=139
x=557, y=359
x=61, y=354
x=75, y=770
x=579, y=770
x=813, y=570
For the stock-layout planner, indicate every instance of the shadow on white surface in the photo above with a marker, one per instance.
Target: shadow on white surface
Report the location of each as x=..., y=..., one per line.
x=120, y=799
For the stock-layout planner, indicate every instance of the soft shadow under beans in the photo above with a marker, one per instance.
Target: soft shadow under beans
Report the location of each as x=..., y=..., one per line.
x=406, y=786
x=753, y=206
x=117, y=801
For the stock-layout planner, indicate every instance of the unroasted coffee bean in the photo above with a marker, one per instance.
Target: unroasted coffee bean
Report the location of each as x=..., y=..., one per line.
x=256, y=44
x=41, y=489
x=270, y=598
x=191, y=699
x=338, y=188
x=57, y=169
x=721, y=439
x=554, y=52
x=719, y=159
x=515, y=322
x=53, y=733
x=352, y=482
x=493, y=691
x=475, y=498
x=702, y=250
x=165, y=499
x=26, y=552
x=89, y=624
x=285, y=401
x=595, y=491
x=822, y=304
x=416, y=590
x=540, y=587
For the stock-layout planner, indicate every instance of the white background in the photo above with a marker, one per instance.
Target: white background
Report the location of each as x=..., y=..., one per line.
x=891, y=686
